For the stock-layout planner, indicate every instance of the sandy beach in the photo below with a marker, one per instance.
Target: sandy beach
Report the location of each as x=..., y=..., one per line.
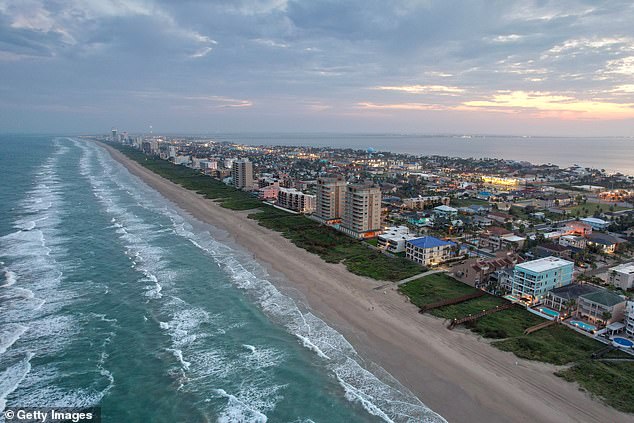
x=455, y=373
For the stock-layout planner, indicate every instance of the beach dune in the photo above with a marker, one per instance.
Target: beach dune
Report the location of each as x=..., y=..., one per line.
x=455, y=373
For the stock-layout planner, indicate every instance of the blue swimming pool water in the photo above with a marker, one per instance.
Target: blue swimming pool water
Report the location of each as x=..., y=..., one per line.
x=585, y=326
x=549, y=312
x=623, y=342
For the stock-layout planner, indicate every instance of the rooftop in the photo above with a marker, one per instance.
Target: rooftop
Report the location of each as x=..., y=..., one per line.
x=624, y=268
x=595, y=220
x=604, y=297
x=447, y=209
x=574, y=290
x=544, y=264
x=429, y=242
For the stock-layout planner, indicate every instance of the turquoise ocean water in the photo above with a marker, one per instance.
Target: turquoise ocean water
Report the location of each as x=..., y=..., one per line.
x=111, y=296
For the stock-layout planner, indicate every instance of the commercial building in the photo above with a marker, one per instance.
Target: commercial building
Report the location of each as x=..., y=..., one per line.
x=242, y=173
x=603, y=307
x=622, y=276
x=428, y=250
x=362, y=211
x=295, y=200
x=533, y=279
x=393, y=239
x=330, y=198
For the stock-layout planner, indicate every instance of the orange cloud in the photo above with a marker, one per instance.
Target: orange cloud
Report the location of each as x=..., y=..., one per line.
x=546, y=104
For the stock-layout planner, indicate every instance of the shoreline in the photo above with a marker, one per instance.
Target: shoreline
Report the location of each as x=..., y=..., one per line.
x=454, y=373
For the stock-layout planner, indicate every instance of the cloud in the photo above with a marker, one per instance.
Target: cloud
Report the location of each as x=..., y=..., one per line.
x=423, y=89
x=569, y=58
x=555, y=105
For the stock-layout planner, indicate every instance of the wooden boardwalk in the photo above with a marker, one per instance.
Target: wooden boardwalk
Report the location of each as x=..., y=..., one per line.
x=451, y=301
x=471, y=317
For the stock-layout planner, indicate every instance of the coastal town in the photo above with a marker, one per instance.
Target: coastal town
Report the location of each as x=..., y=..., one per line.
x=510, y=250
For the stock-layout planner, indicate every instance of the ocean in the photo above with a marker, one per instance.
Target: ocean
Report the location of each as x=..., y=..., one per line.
x=612, y=154
x=111, y=296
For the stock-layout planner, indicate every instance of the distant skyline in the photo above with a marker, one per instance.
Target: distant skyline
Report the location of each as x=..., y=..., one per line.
x=558, y=68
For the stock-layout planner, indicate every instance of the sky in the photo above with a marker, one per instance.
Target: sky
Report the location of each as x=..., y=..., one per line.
x=562, y=67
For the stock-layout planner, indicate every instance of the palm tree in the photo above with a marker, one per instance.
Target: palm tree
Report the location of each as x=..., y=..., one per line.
x=606, y=316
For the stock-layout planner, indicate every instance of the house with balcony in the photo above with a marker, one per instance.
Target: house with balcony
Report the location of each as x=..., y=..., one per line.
x=533, y=279
x=602, y=307
x=428, y=250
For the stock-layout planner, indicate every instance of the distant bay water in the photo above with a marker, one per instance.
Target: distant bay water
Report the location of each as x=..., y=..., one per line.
x=611, y=154
x=111, y=296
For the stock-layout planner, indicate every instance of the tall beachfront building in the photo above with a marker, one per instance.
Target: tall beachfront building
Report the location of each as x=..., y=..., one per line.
x=242, y=172
x=362, y=211
x=330, y=198
x=533, y=279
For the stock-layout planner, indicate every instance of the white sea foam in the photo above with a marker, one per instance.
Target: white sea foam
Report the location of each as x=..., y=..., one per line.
x=9, y=278
x=10, y=333
x=179, y=356
x=237, y=411
x=12, y=377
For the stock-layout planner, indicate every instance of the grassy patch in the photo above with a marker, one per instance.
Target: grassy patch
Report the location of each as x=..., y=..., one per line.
x=433, y=288
x=612, y=382
x=592, y=208
x=505, y=324
x=554, y=344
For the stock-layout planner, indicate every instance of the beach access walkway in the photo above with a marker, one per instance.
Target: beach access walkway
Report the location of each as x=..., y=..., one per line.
x=420, y=275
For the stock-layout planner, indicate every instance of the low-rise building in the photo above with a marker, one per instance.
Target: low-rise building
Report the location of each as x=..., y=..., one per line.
x=420, y=203
x=622, y=276
x=393, y=239
x=596, y=223
x=603, y=242
x=533, y=279
x=445, y=211
x=295, y=200
x=602, y=307
x=428, y=250
x=476, y=271
x=566, y=298
x=574, y=241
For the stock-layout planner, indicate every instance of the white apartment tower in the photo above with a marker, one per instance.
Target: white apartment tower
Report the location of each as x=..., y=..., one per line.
x=362, y=211
x=242, y=172
x=330, y=198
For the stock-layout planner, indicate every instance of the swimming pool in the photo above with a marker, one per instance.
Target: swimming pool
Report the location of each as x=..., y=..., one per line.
x=583, y=325
x=622, y=342
x=549, y=312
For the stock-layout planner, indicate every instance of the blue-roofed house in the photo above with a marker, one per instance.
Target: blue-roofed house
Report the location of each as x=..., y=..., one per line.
x=428, y=250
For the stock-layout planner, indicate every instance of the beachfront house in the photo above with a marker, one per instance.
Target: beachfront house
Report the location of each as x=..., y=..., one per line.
x=428, y=250
x=533, y=279
x=602, y=307
x=566, y=298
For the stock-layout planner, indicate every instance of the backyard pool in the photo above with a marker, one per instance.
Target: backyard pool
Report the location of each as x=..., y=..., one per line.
x=622, y=342
x=549, y=312
x=583, y=325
